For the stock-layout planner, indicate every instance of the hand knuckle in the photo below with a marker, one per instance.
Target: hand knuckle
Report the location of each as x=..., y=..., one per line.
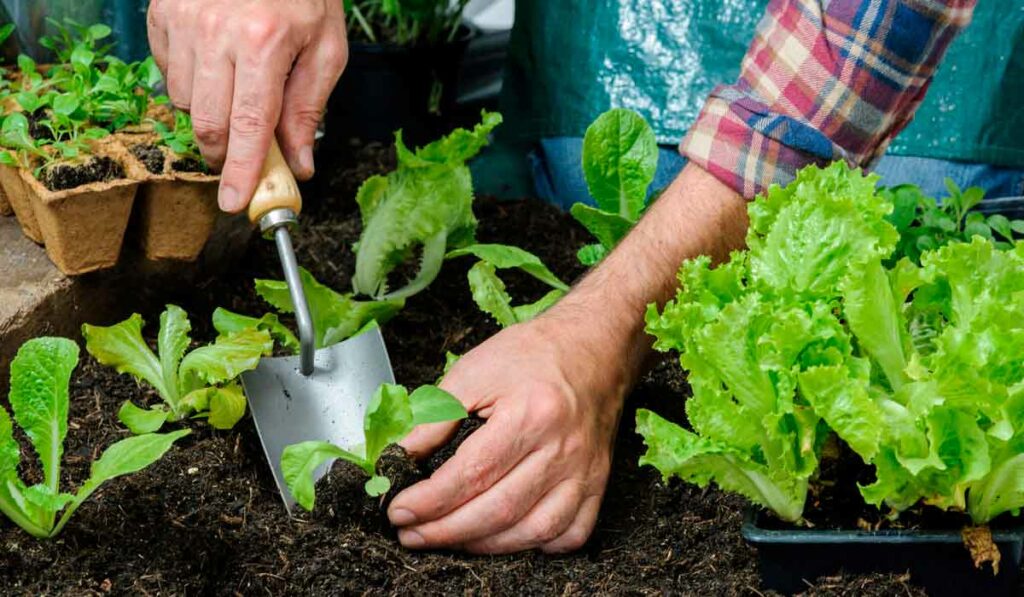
x=477, y=474
x=208, y=131
x=248, y=123
x=549, y=527
x=548, y=406
x=260, y=28
x=505, y=512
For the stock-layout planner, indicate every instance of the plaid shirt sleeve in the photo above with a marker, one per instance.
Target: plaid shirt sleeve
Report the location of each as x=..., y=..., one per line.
x=823, y=80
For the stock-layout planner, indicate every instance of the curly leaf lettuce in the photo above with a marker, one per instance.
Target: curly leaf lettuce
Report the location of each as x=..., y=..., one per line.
x=425, y=203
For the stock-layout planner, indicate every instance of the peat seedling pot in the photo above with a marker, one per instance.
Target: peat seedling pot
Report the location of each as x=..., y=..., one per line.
x=936, y=560
x=16, y=195
x=83, y=227
x=176, y=208
x=387, y=87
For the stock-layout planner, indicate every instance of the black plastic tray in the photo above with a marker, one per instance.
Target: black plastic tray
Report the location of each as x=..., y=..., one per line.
x=936, y=560
x=1011, y=207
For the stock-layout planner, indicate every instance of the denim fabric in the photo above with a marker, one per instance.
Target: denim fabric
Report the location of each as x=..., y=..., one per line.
x=558, y=174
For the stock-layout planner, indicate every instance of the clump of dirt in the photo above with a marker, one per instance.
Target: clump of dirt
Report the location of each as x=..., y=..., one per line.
x=189, y=165
x=342, y=498
x=61, y=175
x=150, y=155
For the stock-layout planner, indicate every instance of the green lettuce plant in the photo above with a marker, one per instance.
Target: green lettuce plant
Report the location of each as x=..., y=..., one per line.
x=405, y=22
x=620, y=156
x=39, y=398
x=489, y=291
x=427, y=201
x=200, y=383
x=926, y=224
x=336, y=316
x=919, y=369
x=391, y=415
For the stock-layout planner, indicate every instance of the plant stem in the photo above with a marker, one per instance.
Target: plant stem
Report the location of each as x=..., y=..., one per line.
x=363, y=24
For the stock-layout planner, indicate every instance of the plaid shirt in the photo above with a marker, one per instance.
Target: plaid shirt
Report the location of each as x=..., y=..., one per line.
x=823, y=80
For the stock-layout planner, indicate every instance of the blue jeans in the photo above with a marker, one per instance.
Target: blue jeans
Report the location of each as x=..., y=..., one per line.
x=558, y=174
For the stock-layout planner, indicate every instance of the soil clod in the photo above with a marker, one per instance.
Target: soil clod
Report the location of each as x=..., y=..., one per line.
x=61, y=175
x=150, y=156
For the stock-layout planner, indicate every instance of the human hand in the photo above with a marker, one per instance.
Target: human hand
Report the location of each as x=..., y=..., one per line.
x=244, y=68
x=534, y=474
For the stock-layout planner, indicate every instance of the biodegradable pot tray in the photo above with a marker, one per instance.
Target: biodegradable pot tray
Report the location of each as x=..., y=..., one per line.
x=82, y=228
x=176, y=210
x=17, y=196
x=937, y=560
x=5, y=206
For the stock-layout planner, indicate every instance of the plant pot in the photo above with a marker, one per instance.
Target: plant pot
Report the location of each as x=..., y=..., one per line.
x=17, y=196
x=5, y=206
x=176, y=210
x=936, y=560
x=387, y=87
x=83, y=228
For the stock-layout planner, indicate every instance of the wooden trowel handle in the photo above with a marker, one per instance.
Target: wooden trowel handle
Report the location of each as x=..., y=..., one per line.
x=277, y=188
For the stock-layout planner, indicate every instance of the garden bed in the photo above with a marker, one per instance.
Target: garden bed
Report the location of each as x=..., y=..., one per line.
x=207, y=519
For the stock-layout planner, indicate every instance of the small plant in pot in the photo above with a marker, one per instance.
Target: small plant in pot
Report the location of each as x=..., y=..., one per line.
x=403, y=68
x=832, y=344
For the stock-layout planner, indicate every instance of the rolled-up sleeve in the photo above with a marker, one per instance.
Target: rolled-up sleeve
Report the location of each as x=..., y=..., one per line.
x=822, y=81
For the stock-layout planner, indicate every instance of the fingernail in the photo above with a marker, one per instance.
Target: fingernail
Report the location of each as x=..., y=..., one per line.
x=306, y=160
x=411, y=539
x=228, y=198
x=402, y=517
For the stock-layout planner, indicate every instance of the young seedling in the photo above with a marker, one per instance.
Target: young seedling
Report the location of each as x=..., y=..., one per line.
x=620, y=156
x=426, y=202
x=392, y=414
x=336, y=317
x=182, y=139
x=405, y=23
x=202, y=383
x=925, y=224
x=39, y=398
x=489, y=291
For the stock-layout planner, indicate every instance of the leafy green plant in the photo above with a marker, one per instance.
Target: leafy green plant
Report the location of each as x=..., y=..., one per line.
x=427, y=201
x=74, y=38
x=391, y=415
x=919, y=369
x=925, y=224
x=181, y=139
x=489, y=291
x=39, y=398
x=620, y=156
x=336, y=317
x=201, y=383
x=405, y=22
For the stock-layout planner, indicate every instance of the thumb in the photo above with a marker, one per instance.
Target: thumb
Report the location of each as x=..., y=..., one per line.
x=426, y=439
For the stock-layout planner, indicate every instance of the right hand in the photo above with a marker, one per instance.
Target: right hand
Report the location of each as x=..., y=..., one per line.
x=244, y=69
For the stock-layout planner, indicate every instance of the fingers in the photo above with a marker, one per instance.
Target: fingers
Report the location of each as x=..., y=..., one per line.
x=212, y=90
x=549, y=518
x=497, y=509
x=425, y=439
x=156, y=29
x=181, y=61
x=255, y=109
x=579, y=531
x=484, y=458
x=309, y=86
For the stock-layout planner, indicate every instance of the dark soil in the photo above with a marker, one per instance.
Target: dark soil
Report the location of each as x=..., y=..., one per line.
x=189, y=165
x=61, y=176
x=207, y=519
x=151, y=157
x=36, y=130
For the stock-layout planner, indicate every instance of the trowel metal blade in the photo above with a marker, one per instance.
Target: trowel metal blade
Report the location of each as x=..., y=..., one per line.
x=289, y=407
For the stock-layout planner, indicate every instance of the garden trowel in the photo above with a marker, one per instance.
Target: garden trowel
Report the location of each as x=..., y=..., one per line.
x=319, y=394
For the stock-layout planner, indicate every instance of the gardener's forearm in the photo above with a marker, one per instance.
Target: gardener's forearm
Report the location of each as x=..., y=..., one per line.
x=696, y=215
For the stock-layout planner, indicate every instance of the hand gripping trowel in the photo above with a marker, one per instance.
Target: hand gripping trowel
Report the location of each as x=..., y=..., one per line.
x=320, y=394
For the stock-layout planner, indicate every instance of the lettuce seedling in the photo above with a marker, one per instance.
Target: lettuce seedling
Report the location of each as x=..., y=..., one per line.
x=391, y=415
x=336, y=316
x=489, y=291
x=926, y=225
x=919, y=369
x=748, y=329
x=427, y=201
x=620, y=156
x=181, y=139
x=202, y=383
x=39, y=398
